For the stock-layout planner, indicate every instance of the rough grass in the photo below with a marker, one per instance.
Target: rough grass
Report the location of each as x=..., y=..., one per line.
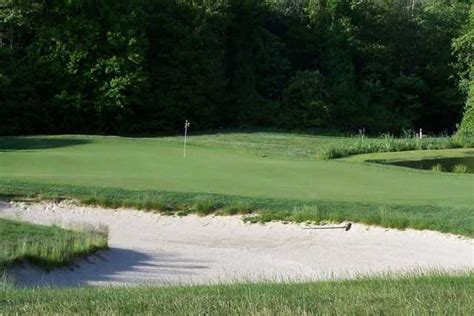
x=413, y=155
x=301, y=146
x=46, y=246
x=388, y=143
x=450, y=220
x=460, y=168
x=430, y=294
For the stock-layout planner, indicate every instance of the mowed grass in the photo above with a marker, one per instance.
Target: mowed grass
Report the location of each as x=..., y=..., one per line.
x=221, y=177
x=432, y=294
x=151, y=174
x=157, y=164
x=45, y=246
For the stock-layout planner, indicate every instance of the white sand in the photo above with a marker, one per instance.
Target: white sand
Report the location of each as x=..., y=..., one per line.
x=147, y=248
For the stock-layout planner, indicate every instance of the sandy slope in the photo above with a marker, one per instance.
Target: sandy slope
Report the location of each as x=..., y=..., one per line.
x=150, y=248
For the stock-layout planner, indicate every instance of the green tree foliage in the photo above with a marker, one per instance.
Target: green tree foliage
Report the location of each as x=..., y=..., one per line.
x=464, y=48
x=304, y=101
x=20, y=109
x=145, y=66
x=94, y=51
x=185, y=64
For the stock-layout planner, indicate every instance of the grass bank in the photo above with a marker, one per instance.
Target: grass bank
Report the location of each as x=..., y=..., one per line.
x=45, y=246
x=434, y=294
x=449, y=220
x=413, y=155
x=316, y=147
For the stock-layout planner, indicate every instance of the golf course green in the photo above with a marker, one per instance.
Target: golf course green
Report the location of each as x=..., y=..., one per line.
x=273, y=176
x=158, y=164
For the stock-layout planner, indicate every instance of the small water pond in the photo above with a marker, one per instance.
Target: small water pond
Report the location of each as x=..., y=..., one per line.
x=438, y=164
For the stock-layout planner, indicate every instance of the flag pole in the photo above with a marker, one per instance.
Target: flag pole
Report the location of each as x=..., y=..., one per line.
x=186, y=125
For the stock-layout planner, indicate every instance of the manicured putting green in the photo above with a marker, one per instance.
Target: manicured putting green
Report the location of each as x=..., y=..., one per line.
x=158, y=164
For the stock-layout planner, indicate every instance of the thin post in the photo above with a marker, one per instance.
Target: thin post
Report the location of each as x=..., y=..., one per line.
x=186, y=125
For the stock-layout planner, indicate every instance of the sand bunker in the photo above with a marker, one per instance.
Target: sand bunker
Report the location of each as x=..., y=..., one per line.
x=147, y=248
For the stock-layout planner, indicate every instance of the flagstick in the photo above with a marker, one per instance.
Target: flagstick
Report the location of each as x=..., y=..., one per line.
x=186, y=125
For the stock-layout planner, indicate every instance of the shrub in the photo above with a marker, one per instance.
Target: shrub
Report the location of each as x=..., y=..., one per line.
x=467, y=123
x=460, y=168
x=437, y=168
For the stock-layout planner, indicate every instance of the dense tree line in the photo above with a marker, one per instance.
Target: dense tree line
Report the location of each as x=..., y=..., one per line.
x=106, y=66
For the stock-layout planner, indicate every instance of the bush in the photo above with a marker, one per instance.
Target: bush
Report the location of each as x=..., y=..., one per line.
x=460, y=168
x=437, y=168
x=467, y=124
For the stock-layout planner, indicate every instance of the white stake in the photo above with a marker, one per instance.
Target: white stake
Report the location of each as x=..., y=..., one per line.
x=186, y=125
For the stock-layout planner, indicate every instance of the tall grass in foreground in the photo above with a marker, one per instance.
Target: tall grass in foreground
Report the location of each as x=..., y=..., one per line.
x=46, y=246
x=430, y=294
x=388, y=143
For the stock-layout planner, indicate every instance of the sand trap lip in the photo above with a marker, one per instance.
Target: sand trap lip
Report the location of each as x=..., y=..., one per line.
x=147, y=248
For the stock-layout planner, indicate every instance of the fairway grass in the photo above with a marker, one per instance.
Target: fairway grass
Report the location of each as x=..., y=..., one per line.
x=45, y=246
x=157, y=164
x=151, y=174
x=430, y=294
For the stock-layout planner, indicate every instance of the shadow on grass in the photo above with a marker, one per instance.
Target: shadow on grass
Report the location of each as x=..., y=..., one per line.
x=36, y=143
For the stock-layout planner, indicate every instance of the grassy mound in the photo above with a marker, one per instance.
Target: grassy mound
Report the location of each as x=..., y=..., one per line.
x=45, y=246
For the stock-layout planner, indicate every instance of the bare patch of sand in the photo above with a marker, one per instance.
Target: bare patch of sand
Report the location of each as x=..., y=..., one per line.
x=147, y=248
